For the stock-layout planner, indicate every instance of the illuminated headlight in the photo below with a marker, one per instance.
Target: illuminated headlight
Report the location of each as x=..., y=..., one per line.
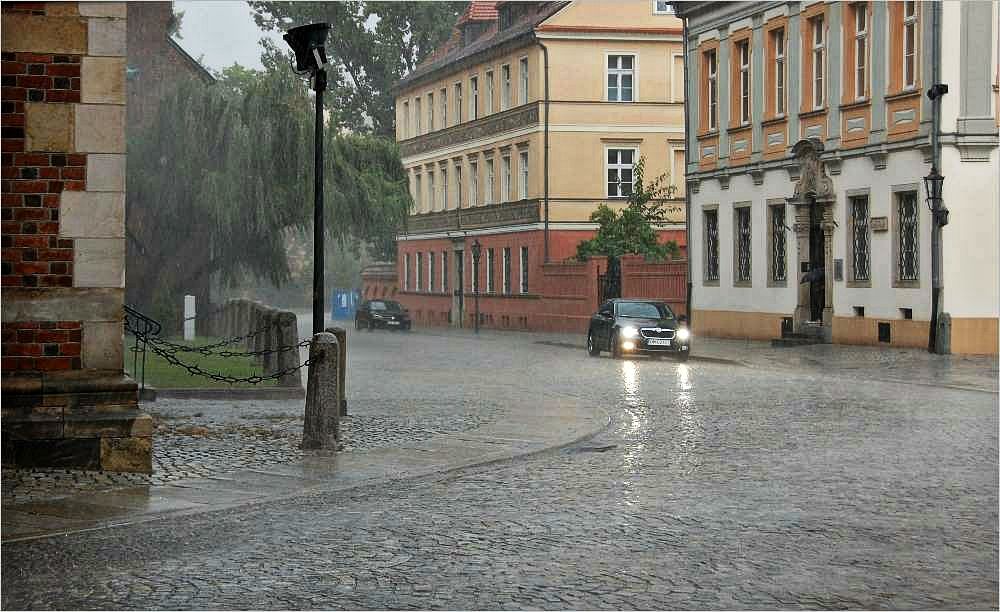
x=683, y=334
x=628, y=345
x=629, y=332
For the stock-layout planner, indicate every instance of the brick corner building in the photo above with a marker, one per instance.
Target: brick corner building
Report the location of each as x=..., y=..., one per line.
x=67, y=401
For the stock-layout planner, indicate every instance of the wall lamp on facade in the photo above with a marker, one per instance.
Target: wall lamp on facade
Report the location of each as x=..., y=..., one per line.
x=934, y=186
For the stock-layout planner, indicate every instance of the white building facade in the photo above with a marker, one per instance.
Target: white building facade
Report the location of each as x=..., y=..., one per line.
x=809, y=136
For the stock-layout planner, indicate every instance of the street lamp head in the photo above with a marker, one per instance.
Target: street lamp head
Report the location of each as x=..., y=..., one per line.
x=476, y=249
x=308, y=44
x=934, y=184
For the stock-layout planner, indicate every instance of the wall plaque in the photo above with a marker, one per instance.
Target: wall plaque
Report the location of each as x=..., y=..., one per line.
x=880, y=224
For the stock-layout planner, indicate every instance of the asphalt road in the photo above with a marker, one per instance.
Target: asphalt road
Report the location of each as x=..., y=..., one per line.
x=717, y=486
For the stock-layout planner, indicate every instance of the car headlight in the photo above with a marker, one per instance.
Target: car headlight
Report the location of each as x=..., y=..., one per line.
x=683, y=334
x=629, y=332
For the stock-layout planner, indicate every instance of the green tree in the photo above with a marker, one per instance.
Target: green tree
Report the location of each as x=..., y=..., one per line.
x=372, y=45
x=632, y=230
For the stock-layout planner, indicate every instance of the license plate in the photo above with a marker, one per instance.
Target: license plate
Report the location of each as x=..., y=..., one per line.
x=393, y=322
x=658, y=342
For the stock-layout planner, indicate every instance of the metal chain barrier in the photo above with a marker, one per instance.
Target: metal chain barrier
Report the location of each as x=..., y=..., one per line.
x=208, y=348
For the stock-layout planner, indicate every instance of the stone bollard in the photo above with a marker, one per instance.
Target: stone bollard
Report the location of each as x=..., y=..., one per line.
x=269, y=360
x=341, y=335
x=321, y=428
x=288, y=335
x=256, y=324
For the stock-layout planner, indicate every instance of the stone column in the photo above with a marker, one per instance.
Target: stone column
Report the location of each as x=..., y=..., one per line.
x=802, y=240
x=321, y=427
x=341, y=335
x=828, y=229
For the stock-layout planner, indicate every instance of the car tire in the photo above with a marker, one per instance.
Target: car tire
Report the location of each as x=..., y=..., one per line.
x=592, y=349
x=616, y=347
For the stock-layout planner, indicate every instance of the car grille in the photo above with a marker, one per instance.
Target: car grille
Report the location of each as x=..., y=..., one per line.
x=653, y=332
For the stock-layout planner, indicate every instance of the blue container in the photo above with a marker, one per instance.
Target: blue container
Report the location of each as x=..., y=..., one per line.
x=344, y=303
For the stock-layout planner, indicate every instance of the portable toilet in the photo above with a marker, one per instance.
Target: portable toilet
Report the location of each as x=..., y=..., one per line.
x=345, y=302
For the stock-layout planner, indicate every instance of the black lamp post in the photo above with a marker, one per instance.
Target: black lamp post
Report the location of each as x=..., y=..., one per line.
x=310, y=57
x=934, y=185
x=477, y=249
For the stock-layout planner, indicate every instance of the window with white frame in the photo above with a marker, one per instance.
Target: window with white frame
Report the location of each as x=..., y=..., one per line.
x=860, y=50
x=619, y=170
x=406, y=272
x=522, y=167
x=778, y=41
x=524, y=269
x=662, y=7
x=505, y=87
x=505, y=188
x=712, y=245
x=490, y=182
x=490, y=277
x=474, y=98
x=907, y=236
x=860, y=239
x=431, y=191
x=444, y=271
x=431, y=271
x=506, y=270
x=406, y=120
x=712, y=70
x=743, y=49
x=818, y=61
x=417, y=113
x=743, y=241
x=444, y=108
x=779, y=261
x=458, y=103
x=909, y=43
x=458, y=183
x=621, y=75
x=444, y=187
x=490, y=91
x=420, y=271
x=523, y=74
x=430, y=112
x=473, y=183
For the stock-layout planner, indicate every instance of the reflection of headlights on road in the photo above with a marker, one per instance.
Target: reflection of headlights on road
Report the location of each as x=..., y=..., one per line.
x=628, y=345
x=629, y=332
x=683, y=334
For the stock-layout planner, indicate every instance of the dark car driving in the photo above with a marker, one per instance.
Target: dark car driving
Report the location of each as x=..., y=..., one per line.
x=631, y=326
x=385, y=314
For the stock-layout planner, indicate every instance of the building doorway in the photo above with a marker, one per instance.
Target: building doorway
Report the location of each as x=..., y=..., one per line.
x=817, y=256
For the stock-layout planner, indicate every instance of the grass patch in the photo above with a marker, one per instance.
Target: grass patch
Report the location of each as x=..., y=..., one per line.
x=163, y=375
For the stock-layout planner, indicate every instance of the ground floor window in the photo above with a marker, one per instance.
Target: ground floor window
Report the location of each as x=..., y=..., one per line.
x=490, y=278
x=406, y=272
x=908, y=220
x=779, y=264
x=444, y=271
x=420, y=268
x=506, y=270
x=431, y=271
x=860, y=239
x=712, y=245
x=524, y=269
x=741, y=221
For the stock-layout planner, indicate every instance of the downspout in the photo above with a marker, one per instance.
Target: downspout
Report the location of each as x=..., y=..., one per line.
x=687, y=160
x=933, y=342
x=545, y=54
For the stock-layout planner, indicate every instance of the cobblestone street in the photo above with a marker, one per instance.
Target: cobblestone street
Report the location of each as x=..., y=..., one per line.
x=717, y=485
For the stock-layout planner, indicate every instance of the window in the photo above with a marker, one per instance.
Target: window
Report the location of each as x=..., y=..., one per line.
x=860, y=50
x=524, y=269
x=907, y=216
x=474, y=98
x=406, y=272
x=506, y=270
x=444, y=108
x=444, y=271
x=431, y=192
x=490, y=182
x=743, y=262
x=458, y=184
x=420, y=270
x=909, y=43
x=712, y=245
x=458, y=103
x=406, y=120
x=522, y=166
x=416, y=116
x=505, y=188
x=818, y=51
x=490, y=92
x=712, y=70
x=444, y=187
x=620, y=77
x=743, y=49
x=779, y=264
x=431, y=272
x=490, y=277
x=778, y=41
x=523, y=73
x=473, y=183
x=475, y=273
x=418, y=192
x=860, y=240
x=662, y=7
x=505, y=87
x=430, y=112
x=619, y=170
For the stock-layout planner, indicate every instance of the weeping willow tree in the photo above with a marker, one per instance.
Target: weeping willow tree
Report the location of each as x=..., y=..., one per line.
x=222, y=172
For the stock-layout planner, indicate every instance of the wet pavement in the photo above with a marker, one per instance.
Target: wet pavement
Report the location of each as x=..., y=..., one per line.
x=767, y=482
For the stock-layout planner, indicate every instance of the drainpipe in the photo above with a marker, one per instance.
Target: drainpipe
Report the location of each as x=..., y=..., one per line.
x=545, y=53
x=933, y=342
x=687, y=159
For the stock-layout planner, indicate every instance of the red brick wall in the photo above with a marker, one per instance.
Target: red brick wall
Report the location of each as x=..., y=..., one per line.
x=665, y=281
x=41, y=345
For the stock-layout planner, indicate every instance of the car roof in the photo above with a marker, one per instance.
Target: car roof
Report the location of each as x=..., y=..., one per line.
x=621, y=300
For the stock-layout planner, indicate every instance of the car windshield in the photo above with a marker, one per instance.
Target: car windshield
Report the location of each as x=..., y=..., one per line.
x=644, y=310
x=387, y=305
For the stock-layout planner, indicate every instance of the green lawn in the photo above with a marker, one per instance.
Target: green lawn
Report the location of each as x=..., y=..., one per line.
x=164, y=375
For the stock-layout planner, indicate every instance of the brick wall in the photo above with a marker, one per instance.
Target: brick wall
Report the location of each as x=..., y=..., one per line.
x=42, y=345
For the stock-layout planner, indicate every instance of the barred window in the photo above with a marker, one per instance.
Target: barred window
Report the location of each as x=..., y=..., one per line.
x=431, y=272
x=908, y=217
x=524, y=269
x=490, y=267
x=778, y=261
x=711, y=245
x=743, y=244
x=506, y=270
x=860, y=240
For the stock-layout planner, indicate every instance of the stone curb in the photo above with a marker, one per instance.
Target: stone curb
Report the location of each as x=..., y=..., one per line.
x=255, y=393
